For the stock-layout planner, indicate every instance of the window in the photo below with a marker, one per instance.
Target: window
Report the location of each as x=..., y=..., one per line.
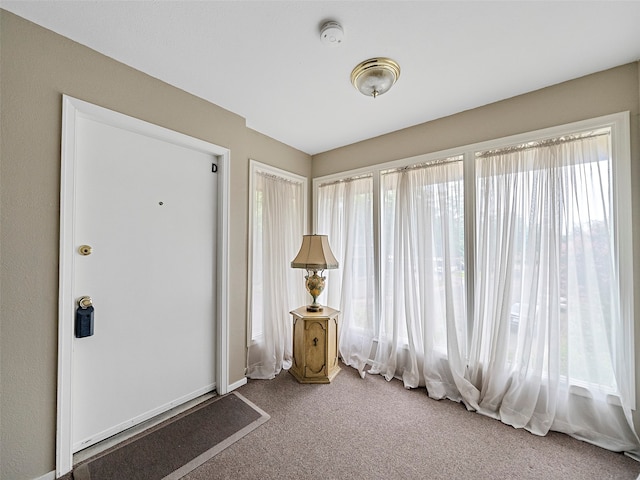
x=345, y=213
x=278, y=206
x=422, y=246
x=544, y=239
x=502, y=277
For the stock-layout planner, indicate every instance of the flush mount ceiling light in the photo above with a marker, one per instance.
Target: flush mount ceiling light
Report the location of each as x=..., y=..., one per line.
x=375, y=76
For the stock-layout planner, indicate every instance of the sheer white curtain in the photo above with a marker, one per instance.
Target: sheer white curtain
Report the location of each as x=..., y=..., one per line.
x=422, y=334
x=544, y=346
x=545, y=351
x=345, y=214
x=278, y=227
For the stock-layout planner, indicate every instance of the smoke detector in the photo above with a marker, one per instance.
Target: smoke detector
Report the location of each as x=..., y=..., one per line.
x=332, y=34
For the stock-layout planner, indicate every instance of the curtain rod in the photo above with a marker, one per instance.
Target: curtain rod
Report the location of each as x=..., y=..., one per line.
x=273, y=176
x=541, y=143
x=346, y=180
x=430, y=163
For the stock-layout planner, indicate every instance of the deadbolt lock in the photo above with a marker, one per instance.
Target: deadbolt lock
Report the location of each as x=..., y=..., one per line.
x=85, y=250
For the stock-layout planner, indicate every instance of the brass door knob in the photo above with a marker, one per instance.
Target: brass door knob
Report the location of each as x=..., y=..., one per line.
x=85, y=302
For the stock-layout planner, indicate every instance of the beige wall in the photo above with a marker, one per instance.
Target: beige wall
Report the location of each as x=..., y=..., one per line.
x=602, y=93
x=37, y=67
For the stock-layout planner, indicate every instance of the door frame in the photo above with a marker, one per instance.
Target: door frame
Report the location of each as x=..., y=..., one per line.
x=73, y=108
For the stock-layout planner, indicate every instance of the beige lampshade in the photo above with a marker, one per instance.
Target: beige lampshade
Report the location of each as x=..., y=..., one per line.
x=315, y=254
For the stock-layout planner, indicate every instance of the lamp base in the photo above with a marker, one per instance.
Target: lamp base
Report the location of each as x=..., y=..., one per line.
x=315, y=286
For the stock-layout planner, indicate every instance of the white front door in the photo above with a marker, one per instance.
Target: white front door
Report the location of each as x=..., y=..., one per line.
x=147, y=209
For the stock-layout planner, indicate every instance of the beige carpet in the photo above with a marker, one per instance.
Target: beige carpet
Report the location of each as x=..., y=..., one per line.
x=368, y=428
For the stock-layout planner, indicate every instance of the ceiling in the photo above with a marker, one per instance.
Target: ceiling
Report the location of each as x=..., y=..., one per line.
x=264, y=59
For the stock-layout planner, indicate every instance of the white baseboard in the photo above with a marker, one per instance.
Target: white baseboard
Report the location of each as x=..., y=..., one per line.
x=238, y=384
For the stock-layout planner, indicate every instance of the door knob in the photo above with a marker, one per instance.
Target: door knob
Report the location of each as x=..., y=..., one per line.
x=85, y=302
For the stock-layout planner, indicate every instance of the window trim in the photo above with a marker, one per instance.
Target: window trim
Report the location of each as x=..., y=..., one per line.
x=256, y=167
x=619, y=124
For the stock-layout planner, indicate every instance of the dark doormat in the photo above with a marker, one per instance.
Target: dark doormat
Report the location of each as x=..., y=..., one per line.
x=179, y=445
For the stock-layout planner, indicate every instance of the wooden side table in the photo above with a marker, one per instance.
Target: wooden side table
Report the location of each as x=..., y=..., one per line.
x=315, y=345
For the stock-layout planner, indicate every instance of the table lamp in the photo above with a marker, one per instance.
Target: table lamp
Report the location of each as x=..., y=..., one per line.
x=315, y=255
